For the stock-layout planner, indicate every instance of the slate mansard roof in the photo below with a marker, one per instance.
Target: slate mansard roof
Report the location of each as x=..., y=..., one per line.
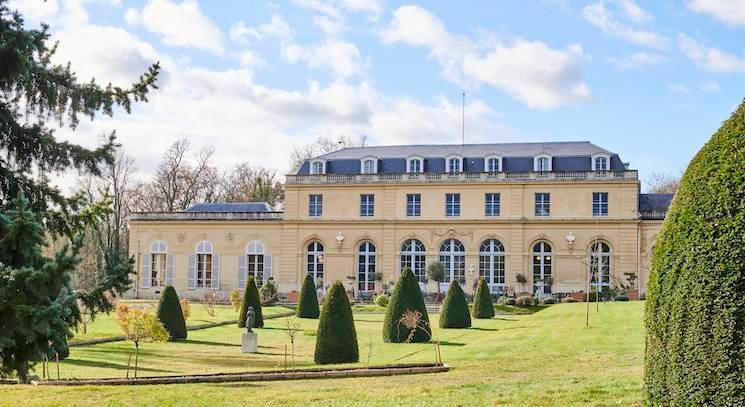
x=230, y=207
x=516, y=157
x=654, y=206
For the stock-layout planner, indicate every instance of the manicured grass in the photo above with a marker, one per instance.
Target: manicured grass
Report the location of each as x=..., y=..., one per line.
x=545, y=358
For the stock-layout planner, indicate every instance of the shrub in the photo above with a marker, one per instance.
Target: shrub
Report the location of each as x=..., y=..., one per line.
x=336, y=338
x=235, y=299
x=171, y=315
x=569, y=299
x=251, y=299
x=209, y=303
x=524, y=301
x=455, y=308
x=483, y=307
x=502, y=299
x=548, y=301
x=622, y=297
x=185, y=308
x=510, y=301
x=406, y=297
x=436, y=272
x=268, y=291
x=695, y=309
x=382, y=300
x=307, y=305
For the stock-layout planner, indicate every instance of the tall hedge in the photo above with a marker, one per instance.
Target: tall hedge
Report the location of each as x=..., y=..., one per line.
x=336, y=338
x=307, y=305
x=695, y=308
x=251, y=298
x=483, y=307
x=455, y=312
x=169, y=313
x=406, y=296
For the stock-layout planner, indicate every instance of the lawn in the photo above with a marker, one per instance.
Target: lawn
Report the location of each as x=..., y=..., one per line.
x=544, y=358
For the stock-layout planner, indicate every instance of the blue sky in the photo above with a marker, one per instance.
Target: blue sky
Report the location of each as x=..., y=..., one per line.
x=650, y=81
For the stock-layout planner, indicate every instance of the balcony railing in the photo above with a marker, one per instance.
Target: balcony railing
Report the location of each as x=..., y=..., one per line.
x=253, y=216
x=653, y=215
x=476, y=177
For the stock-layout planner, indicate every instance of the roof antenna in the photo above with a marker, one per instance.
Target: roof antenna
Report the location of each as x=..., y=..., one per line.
x=463, y=120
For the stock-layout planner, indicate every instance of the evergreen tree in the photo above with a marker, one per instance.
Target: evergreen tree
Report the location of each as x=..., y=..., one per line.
x=307, y=305
x=695, y=308
x=336, y=340
x=406, y=297
x=171, y=315
x=251, y=299
x=483, y=307
x=455, y=308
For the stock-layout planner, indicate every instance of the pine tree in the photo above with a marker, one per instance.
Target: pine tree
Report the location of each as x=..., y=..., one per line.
x=483, y=307
x=171, y=315
x=455, y=309
x=336, y=340
x=307, y=305
x=406, y=297
x=251, y=299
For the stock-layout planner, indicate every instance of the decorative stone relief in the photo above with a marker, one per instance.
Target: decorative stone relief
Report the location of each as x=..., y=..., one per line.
x=181, y=237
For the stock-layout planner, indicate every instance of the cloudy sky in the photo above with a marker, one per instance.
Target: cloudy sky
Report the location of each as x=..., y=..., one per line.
x=648, y=80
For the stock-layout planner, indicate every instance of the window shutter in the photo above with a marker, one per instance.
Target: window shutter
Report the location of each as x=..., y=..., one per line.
x=267, y=266
x=169, y=269
x=242, y=271
x=215, y=284
x=192, y=273
x=146, y=277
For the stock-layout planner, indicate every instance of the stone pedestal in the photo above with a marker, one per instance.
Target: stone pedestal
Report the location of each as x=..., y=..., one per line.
x=250, y=342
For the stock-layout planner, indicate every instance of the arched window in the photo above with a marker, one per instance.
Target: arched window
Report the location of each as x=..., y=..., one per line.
x=204, y=264
x=158, y=263
x=542, y=268
x=314, y=261
x=491, y=264
x=454, y=164
x=493, y=164
x=366, y=267
x=600, y=266
x=414, y=165
x=453, y=257
x=413, y=257
x=255, y=261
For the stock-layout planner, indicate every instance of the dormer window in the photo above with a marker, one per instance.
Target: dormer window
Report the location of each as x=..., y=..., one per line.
x=454, y=164
x=318, y=167
x=415, y=165
x=600, y=162
x=493, y=163
x=369, y=165
x=542, y=163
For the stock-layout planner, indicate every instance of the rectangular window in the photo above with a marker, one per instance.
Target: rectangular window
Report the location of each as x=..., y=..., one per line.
x=367, y=205
x=315, y=205
x=492, y=204
x=601, y=164
x=452, y=204
x=204, y=270
x=413, y=204
x=599, y=204
x=542, y=204
x=158, y=267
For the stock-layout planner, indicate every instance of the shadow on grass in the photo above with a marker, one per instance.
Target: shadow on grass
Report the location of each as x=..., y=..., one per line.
x=198, y=342
x=484, y=329
x=448, y=343
x=109, y=365
x=367, y=320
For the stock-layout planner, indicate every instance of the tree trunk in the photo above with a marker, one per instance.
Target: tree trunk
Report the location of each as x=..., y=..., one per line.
x=137, y=356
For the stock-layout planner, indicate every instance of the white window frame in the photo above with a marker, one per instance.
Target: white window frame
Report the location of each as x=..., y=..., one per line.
x=367, y=261
x=414, y=255
x=317, y=161
x=158, y=248
x=492, y=264
x=492, y=157
x=594, y=163
x=544, y=260
x=257, y=249
x=536, y=160
x=454, y=157
x=603, y=266
x=411, y=159
x=204, y=248
x=374, y=169
x=453, y=259
x=317, y=266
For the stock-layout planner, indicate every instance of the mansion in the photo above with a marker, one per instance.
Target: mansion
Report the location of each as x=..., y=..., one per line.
x=525, y=216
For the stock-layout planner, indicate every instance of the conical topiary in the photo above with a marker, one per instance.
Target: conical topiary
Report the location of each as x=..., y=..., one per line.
x=454, y=312
x=406, y=297
x=336, y=338
x=251, y=299
x=169, y=313
x=307, y=305
x=483, y=307
x=695, y=308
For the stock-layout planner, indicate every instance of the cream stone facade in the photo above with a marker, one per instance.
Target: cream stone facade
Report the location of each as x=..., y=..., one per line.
x=588, y=211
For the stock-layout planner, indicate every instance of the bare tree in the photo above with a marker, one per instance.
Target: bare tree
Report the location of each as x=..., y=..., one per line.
x=322, y=145
x=245, y=183
x=663, y=183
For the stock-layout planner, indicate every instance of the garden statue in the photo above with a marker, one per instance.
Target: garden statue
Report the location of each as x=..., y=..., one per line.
x=250, y=339
x=250, y=318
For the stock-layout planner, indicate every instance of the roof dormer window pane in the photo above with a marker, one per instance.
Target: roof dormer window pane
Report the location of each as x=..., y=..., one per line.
x=493, y=165
x=368, y=167
x=601, y=164
x=316, y=167
x=542, y=164
x=454, y=164
x=415, y=166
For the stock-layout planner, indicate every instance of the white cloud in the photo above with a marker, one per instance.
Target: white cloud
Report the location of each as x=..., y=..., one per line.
x=330, y=26
x=638, y=60
x=634, y=12
x=132, y=16
x=731, y=12
x=240, y=32
x=711, y=59
x=339, y=57
x=598, y=15
x=35, y=10
x=181, y=24
x=507, y=66
x=709, y=86
x=679, y=89
x=336, y=8
x=249, y=58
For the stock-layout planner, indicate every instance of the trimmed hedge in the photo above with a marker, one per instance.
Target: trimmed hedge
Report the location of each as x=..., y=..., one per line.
x=406, y=296
x=336, y=338
x=524, y=301
x=171, y=315
x=454, y=312
x=695, y=308
x=483, y=307
x=251, y=298
x=307, y=305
